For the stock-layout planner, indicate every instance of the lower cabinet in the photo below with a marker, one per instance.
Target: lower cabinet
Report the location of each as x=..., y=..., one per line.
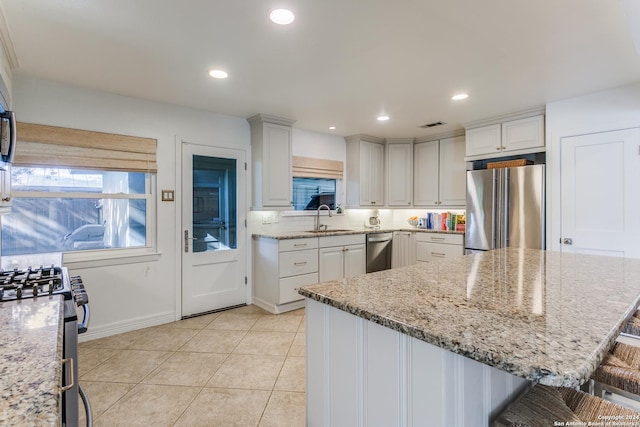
x=432, y=246
x=341, y=256
x=279, y=268
x=403, y=249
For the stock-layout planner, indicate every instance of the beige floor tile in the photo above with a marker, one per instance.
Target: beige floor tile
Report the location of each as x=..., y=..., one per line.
x=188, y=369
x=198, y=322
x=89, y=358
x=225, y=407
x=127, y=366
x=118, y=342
x=213, y=341
x=302, y=328
x=277, y=323
x=163, y=339
x=298, y=347
x=249, y=309
x=149, y=405
x=292, y=375
x=247, y=371
x=232, y=321
x=270, y=343
x=103, y=395
x=285, y=409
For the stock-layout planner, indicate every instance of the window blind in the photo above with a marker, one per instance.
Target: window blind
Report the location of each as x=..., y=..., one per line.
x=51, y=146
x=307, y=167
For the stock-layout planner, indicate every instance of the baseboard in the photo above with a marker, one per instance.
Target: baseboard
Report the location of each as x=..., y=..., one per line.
x=126, y=326
x=280, y=308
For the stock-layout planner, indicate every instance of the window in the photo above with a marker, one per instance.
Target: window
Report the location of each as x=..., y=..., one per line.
x=309, y=193
x=59, y=209
x=76, y=190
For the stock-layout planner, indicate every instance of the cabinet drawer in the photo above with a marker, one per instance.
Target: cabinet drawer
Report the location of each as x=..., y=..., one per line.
x=298, y=262
x=344, y=240
x=289, y=286
x=297, y=244
x=426, y=251
x=449, y=239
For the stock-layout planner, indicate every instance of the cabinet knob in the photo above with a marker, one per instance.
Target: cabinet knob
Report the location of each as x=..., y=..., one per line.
x=498, y=148
x=6, y=199
x=503, y=147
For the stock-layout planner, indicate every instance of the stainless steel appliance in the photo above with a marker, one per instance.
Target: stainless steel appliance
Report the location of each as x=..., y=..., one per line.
x=505, y=207
x=49, y=278
x=379, y=251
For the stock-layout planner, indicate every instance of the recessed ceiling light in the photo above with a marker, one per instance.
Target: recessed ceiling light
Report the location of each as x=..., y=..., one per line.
x=332, y=128
x=459, y=96
x=282, y=16
x=218, y=74
x=383, y=118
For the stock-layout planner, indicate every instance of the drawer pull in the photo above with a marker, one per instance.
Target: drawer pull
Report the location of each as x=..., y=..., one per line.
x=437, y=254
x=300, y=263
x=68, y=362
x=299, y=245
x=437, y=238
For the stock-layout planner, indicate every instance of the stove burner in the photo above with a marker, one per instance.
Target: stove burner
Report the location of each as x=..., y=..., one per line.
x=30, y=282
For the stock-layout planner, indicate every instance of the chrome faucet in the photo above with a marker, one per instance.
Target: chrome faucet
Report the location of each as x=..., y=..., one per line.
x=317, y=225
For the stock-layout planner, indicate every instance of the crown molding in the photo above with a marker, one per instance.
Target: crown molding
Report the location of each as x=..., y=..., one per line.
x=267, y=118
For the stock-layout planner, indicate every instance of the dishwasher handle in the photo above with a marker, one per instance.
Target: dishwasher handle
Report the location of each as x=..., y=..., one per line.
x=378, y=239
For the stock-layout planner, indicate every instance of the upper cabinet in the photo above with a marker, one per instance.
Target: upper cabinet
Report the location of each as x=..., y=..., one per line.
x=440, y=173
x=505, y=137
x=8, y=61
x=271, y=161
x=365, y=171
x=399, y=172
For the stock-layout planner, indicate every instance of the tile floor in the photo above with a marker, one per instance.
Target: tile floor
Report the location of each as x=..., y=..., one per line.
x=242, y=367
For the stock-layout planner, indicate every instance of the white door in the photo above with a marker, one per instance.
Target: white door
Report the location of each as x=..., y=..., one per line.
x=355, y=260
x=331, y=263
x=214, y=253
x=600, y=194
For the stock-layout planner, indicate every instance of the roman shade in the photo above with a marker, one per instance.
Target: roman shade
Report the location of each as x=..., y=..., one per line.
x=307, y=167
x=51, y=146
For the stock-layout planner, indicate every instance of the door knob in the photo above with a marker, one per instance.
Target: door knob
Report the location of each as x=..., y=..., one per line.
x=567, y=241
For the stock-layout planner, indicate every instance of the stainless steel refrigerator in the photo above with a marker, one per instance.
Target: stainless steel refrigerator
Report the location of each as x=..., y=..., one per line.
x=505, y=207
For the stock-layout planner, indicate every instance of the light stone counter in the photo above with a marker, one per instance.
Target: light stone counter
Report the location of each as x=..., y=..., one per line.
x=282, y=235
x=30, y=361
x=544, y=316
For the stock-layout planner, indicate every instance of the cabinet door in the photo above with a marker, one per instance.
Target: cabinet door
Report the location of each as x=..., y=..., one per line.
x=371, y=174
x=426, y=251
x=277, y=185
x=483, y=140
x=355, y=260
x=425, y=173
x=331, y=263
x=5, y=189
x=453, y=172
x=524, y=134
x=402, y=250
x=399, y=174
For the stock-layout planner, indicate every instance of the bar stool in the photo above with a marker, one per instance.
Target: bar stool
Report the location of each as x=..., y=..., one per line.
x=543, y=405
x=619, y=372
x=632, y=327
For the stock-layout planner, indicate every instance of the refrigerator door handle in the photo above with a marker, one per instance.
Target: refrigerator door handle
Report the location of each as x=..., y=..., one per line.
x=495, y=207
x=506, y=207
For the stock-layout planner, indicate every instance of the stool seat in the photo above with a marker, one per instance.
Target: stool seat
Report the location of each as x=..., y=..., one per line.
x=632, y=326
x=542, y=405
x=619, y=371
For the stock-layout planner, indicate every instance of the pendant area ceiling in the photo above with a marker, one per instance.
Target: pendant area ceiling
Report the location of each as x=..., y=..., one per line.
x=340, y=63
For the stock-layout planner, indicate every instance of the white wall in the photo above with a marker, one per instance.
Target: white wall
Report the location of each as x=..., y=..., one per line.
x=598, y=112
x=129, y=296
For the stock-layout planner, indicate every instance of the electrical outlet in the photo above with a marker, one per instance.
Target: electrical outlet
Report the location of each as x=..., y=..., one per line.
x=266, y=219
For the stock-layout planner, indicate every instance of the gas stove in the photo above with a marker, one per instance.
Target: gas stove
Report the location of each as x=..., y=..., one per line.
x=32, y=282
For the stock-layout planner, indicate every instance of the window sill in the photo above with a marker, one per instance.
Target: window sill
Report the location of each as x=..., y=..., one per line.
x=94, y=259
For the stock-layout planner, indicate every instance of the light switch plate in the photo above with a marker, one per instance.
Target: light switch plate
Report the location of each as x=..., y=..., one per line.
x=167, y=195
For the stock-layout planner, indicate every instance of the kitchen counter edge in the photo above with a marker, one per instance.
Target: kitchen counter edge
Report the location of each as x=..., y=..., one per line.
x=284, y=235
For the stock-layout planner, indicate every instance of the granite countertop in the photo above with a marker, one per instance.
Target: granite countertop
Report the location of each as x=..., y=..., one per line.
x=30, y=361
x=549, y=317
x=282, y=235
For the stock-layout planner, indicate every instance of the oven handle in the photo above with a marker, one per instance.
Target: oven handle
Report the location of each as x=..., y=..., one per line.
x=82, y=327
x=70, y=371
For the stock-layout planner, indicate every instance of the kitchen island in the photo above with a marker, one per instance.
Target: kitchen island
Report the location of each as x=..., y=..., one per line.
x=30, y=361
x=452, y=343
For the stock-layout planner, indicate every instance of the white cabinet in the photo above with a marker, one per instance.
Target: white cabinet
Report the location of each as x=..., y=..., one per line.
x=271, y=161
x=403, y=249
x=5, y=189
x=365, y=171
x=399, y=172
x=341, y=256
x=440, y=173
x=520, y=136
x=433, y=246
x=280, y=267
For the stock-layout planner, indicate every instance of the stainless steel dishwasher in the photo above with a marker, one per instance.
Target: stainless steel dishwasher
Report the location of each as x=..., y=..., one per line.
x=379, y=251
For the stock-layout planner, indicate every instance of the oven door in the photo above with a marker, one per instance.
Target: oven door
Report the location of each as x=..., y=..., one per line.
x=70, y=351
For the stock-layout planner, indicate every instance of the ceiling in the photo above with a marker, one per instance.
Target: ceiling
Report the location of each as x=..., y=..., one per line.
x=340, y=63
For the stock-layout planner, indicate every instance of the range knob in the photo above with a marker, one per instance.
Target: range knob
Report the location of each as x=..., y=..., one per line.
x=35, y=290
x=19, y=292
x=50, y=287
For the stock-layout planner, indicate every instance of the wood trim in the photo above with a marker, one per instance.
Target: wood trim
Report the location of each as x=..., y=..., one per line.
x=308, y=167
